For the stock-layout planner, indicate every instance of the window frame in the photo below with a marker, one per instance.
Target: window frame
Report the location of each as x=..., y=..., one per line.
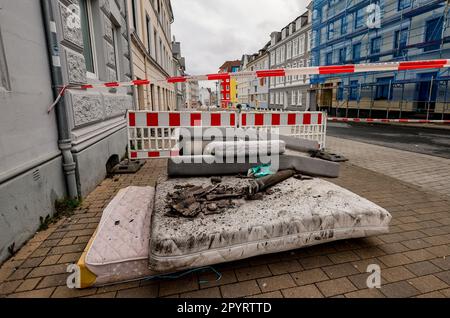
x=90, y=20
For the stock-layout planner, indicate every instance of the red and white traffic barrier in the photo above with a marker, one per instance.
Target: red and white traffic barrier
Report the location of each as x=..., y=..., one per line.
x=255, y=119
x=155, y=134
x=387, y=120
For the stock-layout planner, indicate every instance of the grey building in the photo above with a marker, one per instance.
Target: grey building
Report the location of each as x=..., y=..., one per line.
x=179, y=68
x=46, y=156
x=290, y=49
x=259, y=87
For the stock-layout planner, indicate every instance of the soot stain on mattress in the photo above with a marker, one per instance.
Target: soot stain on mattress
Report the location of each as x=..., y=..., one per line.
x=291, y=207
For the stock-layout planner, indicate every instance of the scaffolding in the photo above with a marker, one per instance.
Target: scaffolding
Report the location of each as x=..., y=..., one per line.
x=407, y=95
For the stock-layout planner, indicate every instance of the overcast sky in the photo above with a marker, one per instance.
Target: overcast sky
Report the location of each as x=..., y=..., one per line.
x=213, y=31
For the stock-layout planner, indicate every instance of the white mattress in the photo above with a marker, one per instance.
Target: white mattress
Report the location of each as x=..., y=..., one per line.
x=119, y=249
x=297, y=214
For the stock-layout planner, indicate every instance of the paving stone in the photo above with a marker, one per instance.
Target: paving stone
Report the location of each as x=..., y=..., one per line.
x=369, y=252
x=38, y=293
x=271, y=295
x=419, y=255
x=444, y=276
x=53, y=281
x=28, y=284
x=48, y=270
x=32, y=262
x=365, y=293
x=307, y=291
x=434, y=294
x=393, y=248
x=213, y=292
x=252, y=272
x=178, y=286
x=65, y=292
x=19, y=274
x=399, y=290
x=336, y=287
x=443, y=263
x=276, y=283
x=241, y=289
x=150, y=291
x=343, y=257
x=207, y=280
x=423, y=268
x=285, y=267
x=426, y=284
x=9, y=287
x=394, y=260
x=341, y=270
x=70, y=258
x=439, y=251
x=309, y=276
x=395, y=274
x=315, y=261
x=50, y=260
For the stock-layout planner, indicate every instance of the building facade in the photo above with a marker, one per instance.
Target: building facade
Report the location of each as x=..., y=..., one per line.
x=65, y=152
x=192, y=94
x=179, y=68
x=359, y=31
x=228, y=87
x=151, y=46
x=244, y=83
x=258, y=95
x=290, y=49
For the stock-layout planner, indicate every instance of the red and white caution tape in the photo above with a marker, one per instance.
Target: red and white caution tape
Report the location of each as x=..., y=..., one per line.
x=386, y=120
x=314, y=70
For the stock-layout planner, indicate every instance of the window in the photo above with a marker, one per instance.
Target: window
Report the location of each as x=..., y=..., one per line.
x=375, y=48
x=149, y=35
x=289, y=51
x=433, y=34
x=403, y=4
x=356, y=54
x=283, y=53
x=88, y=32
x=344, y=25
x=4, y=76
x=353, y=94
x=272, y=98
x=329, y=58
x=309, y=40
x=340, y=92
x=134, y=6
x=293, y=97
x=330, y=33
x=359, y=18
x=301, y=44
x=161, y=56
x=342, y=55
x=277, y=98
x=384, y=87
x=295, y=47
x=116, y=36
x=281, y=98
x=400, y=42
x=300, y=98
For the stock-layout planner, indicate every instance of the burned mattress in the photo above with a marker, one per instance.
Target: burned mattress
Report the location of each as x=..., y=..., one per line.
x=294, y=214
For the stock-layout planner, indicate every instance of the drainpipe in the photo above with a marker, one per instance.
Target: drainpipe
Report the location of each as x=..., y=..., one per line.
x=64, y=137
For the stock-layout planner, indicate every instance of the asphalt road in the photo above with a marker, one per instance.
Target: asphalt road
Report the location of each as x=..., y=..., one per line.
x=435, y=142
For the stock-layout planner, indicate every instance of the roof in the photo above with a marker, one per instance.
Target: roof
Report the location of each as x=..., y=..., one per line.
x=229, y=64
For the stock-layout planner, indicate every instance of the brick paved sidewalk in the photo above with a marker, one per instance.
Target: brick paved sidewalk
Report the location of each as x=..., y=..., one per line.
x=413, y=256
x=428, y=172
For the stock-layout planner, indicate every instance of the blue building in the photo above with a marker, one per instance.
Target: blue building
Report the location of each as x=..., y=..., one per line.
x=368, y=31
